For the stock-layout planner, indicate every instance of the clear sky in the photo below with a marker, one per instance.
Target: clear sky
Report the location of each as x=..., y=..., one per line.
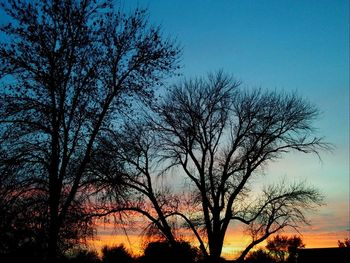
x=288, y=45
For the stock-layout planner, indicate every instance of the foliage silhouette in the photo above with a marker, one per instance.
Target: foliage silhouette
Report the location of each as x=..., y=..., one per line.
x=345, y=243
x=159, y=252
x=26, y=252
x=85, y=256
x=116, y=254
x=284, y=248
x=259, y=256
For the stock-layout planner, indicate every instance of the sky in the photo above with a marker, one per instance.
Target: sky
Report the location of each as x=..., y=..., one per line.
x=289, y=45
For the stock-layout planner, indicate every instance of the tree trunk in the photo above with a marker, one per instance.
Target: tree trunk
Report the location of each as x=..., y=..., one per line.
x=247, y=249
x=53, y=237
x=244, y=254
x=54, y=224
x=215, y=247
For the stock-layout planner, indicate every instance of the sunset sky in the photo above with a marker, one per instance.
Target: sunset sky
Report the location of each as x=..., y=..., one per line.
x=289, y=45
x=292, y=46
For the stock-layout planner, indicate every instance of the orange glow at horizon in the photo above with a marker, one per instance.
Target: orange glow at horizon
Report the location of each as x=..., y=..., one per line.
x=328, y=226
x=234, y=242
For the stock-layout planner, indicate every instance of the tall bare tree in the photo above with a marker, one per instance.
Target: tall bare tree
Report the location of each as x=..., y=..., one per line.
x=222, y=137
x=68, y=70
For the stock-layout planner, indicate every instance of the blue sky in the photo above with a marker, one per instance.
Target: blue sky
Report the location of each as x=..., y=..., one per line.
x=287, y=45
x=300, y=46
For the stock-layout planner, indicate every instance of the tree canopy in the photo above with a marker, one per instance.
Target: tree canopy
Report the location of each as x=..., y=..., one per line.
x=69, y=71
x=218, y=138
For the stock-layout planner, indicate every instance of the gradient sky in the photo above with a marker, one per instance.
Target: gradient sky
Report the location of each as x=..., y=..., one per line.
x=288, y=45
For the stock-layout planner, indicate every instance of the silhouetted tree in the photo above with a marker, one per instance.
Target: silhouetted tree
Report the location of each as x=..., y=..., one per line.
x=22, y=229
x=68, y=70
x=24, y=216
x=284, y=248
x=295, y=243
x=221, y=137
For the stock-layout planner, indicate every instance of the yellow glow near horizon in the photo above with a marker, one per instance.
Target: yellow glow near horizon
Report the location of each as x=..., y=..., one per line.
x=235, y=242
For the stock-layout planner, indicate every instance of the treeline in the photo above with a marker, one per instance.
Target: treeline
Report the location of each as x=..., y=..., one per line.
x=90, y=129
x=155, y=252
x=280, y=249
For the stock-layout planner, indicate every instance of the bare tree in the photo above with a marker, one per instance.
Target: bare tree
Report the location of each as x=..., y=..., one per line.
x=280, y=206
x=132, y=172
x=68, y=70
x=222, y=137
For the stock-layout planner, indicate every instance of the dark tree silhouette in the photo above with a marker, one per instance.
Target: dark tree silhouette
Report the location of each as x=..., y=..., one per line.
x=284, y=248
x=222, y=137
x=295, y=243
x=69, y=70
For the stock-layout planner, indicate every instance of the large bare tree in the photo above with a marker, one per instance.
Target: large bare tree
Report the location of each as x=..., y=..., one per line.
x=222, y=137
x=68, y=70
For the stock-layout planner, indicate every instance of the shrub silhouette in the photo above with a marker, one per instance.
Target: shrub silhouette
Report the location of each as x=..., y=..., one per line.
x=117, y=254
x=160, y=252
x=284, y=248
x=259, y=256
x=346, y=243
x=27, y=252
x=85, y=256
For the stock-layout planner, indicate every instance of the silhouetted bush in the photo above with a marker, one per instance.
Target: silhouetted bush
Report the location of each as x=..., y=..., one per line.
x=284, y=248
x=117, y=254
x=207, y=260
x=259, y=256
x=26, y=252
x=85, y=256
x=346, y=243
x=160, y=252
